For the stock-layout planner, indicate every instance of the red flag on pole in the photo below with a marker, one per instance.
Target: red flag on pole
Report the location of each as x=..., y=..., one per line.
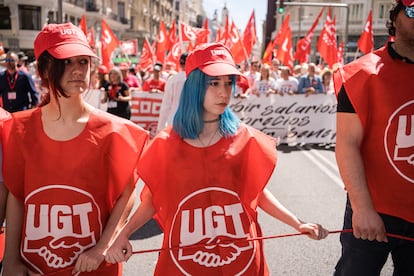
x=327, y=41
x=189, y=33
x=206, y=38
x=284, y=52
x=303, y=47
x=147, y=56
x=366, y=41
x=249, y=34
x=109, y=43
x=82, y=25
x=268, y=53
x=341, y=53
x=91, y=37
x=175, y=53
x=161, y=43
x=236, y=44
x=172, y=35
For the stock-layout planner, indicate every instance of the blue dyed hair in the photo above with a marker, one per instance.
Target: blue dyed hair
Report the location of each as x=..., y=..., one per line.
x=188, y=120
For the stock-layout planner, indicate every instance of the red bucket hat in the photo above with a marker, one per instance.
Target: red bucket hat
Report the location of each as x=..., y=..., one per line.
x=62, y=41
x=213, y=59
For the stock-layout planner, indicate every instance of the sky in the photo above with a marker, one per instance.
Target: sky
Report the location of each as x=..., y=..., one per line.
x=239, y=11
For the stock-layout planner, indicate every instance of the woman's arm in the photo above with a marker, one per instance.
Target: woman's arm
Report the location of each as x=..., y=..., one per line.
x=121, y=249
x=274, y=208
x=92, y=258
x=12, y=262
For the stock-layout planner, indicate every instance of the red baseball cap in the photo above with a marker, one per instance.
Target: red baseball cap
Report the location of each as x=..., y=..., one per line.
x=213, y=59
x=103, y=69
x=407, y=3
x=62, y=41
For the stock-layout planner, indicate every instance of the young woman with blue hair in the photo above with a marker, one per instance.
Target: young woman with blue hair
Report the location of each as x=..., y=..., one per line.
x=205, y=177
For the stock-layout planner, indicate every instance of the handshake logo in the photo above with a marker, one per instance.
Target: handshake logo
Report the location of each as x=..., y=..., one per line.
x=212, y=236
x=56, y=234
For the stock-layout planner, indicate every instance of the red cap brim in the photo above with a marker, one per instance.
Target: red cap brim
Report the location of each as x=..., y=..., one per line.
x=70, y=50
x=219, y=69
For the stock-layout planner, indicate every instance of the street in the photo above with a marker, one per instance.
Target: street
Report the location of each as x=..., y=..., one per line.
x=307, y=182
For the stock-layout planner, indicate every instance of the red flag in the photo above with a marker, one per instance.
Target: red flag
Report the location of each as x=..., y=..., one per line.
x=147, y=56
x=219, y=35
x=189, y=33
x=172, y=35
x=83, y=26
x=109, y=43
x=91, y=36
x=1, y=48
x=175, y=53
x=284, y=52
x=268, y=53
x=129, y=47
x=249, y=34
x=161, y=43
x=237, y=47
x=327, y=41
x=341, y=53
x=303, y=47
x=206, y=38
x=190, y=47
x=366, y=41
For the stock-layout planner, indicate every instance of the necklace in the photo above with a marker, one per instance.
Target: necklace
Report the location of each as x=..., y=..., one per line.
x=212, y=121
x=209, y=140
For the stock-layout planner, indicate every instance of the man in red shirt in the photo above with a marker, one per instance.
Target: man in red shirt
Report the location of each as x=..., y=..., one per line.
x=155, y=84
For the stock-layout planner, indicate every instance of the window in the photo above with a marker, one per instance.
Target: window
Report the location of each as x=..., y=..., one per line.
x=5, y=23
x=121, y=9
x=384, y=10
x=30, y=17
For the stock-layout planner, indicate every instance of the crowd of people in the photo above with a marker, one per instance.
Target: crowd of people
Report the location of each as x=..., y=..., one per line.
x=67, y=198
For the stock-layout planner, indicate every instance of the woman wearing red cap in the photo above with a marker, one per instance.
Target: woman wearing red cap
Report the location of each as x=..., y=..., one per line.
x=211, y=176
x=69, y=168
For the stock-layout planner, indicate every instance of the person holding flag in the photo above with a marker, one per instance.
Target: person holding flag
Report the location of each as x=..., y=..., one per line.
x=211, y=178
x=69, y=168
x=374, y=151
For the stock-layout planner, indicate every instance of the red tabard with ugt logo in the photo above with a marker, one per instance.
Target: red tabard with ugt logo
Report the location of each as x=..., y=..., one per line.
x=68, y=187
x=206, y=201
x=378, y=88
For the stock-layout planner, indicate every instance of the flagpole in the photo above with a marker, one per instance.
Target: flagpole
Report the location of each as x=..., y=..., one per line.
x=356, y=53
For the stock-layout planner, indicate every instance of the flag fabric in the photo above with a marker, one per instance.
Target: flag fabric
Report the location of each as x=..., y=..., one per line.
x=175, y=53
x=162, y=43
x=82, y=25
x=250, y=35
x=284, y=52
x=172, y=35
x=366, y=41
x=268, y=53
x=91, y=37
x=236, y=44
x=206, y=38
x=147, y=56
x=219, y=35
x=341, y=53
x=303, y=47
x=109, y=44
x=189, y=33
x=129, y=47
x=327, y=41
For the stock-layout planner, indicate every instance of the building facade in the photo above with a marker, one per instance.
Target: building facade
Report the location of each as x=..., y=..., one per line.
x=21, y=20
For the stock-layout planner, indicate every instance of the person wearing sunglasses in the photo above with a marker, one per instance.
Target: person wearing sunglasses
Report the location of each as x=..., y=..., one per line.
x=375, y=152
x=17, y=88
